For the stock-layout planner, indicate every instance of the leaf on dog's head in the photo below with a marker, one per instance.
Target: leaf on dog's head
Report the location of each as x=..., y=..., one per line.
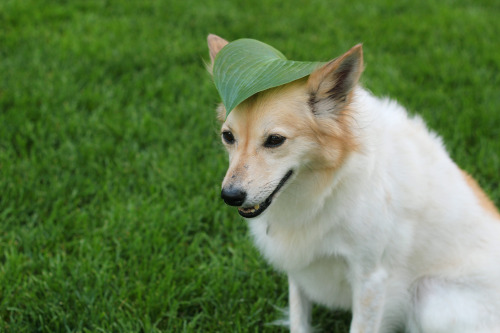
x=246, y=66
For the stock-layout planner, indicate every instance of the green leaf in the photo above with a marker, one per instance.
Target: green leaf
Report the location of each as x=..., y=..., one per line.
x=246, y=66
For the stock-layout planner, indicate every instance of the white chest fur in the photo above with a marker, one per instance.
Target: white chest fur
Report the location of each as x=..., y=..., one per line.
x=325, y=281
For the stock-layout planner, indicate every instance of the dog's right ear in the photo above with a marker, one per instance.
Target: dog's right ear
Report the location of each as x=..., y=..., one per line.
x=215, y=44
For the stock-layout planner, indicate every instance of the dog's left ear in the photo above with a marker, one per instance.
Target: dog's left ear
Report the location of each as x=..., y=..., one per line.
x=215, y=44
x=330, y=85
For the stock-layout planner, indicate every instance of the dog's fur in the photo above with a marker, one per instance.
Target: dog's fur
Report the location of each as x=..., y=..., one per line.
x=374, y=218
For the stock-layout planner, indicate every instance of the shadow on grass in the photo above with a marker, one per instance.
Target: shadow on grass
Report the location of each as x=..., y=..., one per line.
x=326, y=320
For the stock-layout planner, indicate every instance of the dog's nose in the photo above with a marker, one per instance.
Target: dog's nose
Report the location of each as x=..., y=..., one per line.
x=233, y=196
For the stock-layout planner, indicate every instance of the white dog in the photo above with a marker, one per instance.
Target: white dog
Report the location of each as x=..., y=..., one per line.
x=361, y=206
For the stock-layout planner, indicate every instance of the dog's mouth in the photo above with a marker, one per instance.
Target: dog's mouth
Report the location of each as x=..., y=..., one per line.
x=254, y=211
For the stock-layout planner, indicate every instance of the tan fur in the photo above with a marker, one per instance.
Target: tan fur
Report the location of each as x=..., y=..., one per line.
x=336, y=130
x=483, y=199
x=332, y=136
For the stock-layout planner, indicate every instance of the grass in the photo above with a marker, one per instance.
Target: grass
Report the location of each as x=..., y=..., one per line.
x=110, y=163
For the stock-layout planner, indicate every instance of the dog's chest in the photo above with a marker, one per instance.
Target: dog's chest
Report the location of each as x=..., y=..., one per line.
x=313, y=257
x=295, y=248
x=325, y=282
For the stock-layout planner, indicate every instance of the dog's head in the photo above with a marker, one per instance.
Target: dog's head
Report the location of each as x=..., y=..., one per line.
x=279, y=133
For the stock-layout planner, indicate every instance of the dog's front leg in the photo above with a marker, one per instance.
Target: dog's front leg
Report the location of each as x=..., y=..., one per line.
x=299, y=308
x=368, y=302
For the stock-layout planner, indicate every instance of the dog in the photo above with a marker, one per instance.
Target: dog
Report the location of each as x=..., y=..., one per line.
x=361, y=206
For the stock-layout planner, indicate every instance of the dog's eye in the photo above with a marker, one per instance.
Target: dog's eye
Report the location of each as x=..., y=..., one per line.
x=274, y=140
x=228, y=137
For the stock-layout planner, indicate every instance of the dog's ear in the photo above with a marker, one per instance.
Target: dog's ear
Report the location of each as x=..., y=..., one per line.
x=330, y=85
x=215, y=44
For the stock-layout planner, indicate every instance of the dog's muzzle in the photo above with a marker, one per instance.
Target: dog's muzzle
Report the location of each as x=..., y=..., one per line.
x=236, y=197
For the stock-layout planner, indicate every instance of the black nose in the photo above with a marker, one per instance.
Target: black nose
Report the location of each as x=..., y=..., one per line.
x=233, y=196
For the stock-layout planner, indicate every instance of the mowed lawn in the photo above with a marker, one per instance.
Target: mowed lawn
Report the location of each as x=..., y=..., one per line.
x=110, y=161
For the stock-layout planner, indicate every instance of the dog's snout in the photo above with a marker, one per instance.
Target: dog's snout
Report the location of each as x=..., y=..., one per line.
x=233, y=196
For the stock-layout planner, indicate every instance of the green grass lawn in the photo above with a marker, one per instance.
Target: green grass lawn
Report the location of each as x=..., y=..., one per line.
x=110, y=162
